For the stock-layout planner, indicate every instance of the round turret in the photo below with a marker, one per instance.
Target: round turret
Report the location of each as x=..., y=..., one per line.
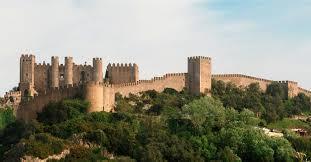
x=98, y=70
x=94, y=93
x=68, y=71
x=55, y=72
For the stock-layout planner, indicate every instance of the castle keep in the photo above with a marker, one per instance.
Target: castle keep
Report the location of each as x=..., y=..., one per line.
x=43, y=83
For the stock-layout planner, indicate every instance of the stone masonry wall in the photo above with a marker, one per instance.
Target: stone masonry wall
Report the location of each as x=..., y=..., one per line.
x=242, y=80
x=122, y=73
x=28, y=110
x=43, y=81
x=176, y=81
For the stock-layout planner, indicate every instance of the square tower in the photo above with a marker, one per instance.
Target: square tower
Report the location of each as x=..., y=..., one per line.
x=122, y=73
x=199, y=75
x=27, y=75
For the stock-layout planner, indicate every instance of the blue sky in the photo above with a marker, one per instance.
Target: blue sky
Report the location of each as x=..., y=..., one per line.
x=263, y=38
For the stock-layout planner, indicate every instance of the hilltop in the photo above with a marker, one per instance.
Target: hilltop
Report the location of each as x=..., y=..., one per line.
x=171, y=125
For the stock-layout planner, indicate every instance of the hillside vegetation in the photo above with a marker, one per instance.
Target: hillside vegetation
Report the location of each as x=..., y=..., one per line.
x=167, y=126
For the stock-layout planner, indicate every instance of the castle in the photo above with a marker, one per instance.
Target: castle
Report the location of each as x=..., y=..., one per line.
x=44, y=83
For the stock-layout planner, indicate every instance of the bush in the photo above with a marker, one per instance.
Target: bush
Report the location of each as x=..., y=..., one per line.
x=43, y=145
x=62, y=111
x=6, y=117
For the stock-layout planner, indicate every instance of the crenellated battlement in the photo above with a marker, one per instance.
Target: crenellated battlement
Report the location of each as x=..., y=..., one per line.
x=121, y=65
x=199, y=57
x=107, y=85
x=288, y=82
x=94, y=83
x=97, y=59
x=174, y=74
x=81, y=66
x=60, y=88
x=122, y=73
x=241, y=76
x=153, y=80
x=42, y=65
x=54, y=57
x=27, y=57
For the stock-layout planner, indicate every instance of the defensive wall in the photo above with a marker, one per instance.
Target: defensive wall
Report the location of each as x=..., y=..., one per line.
x=304, y=91
x=176, y=81
x=243, y=81
x=28, y=109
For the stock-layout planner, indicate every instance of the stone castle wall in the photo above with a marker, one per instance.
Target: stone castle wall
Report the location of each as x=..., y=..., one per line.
x=28, y=109
x=42, y=77
x=242, y=80
x=176, y=81
x=304, y=91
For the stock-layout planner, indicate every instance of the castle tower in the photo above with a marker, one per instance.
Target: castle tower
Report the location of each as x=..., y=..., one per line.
x=55, y=72
x=27, y=75
x=135, y=73
x=122, y=73
x=199, y=75
x=94, y=93
x=98, y=70
x=68, y=71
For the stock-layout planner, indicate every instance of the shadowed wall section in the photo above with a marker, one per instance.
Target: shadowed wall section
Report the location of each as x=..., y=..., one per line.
x=28, y=109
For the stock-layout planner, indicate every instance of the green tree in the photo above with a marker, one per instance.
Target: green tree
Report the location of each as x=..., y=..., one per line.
x=6, y=117
x=62, y=111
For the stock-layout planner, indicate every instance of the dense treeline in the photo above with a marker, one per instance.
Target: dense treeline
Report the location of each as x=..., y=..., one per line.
x=271, y=105
x=167, y=126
